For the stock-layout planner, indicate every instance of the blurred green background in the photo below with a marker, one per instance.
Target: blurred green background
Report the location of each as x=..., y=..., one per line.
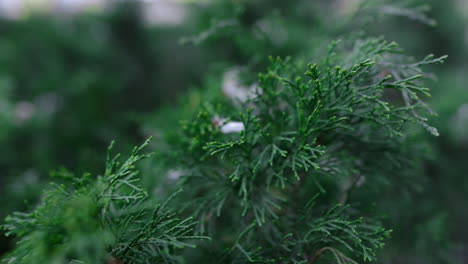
x=76, y=75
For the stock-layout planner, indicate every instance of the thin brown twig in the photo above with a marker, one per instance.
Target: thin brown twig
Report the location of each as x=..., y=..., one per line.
x=317, y=255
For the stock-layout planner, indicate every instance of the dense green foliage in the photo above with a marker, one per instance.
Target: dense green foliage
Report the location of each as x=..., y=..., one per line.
x=96, y=219
x=325, y=152
x=70, y=86
x=311, y=130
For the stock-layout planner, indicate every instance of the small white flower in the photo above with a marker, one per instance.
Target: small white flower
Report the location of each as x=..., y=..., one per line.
x=232, y=127
x=228, y=127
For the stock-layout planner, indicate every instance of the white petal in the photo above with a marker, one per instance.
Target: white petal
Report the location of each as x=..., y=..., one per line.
x=232, y=127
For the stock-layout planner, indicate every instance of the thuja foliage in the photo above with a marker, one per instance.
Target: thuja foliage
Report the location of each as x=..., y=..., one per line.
x=312, y=134
x=315, y=143
x=276, y=191
x=108, y=219
x=71, y=84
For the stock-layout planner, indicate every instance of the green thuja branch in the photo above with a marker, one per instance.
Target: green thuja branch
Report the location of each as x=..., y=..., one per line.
x=281, y=160
x=327, y=128
x=99, y=220
x=261, y=178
